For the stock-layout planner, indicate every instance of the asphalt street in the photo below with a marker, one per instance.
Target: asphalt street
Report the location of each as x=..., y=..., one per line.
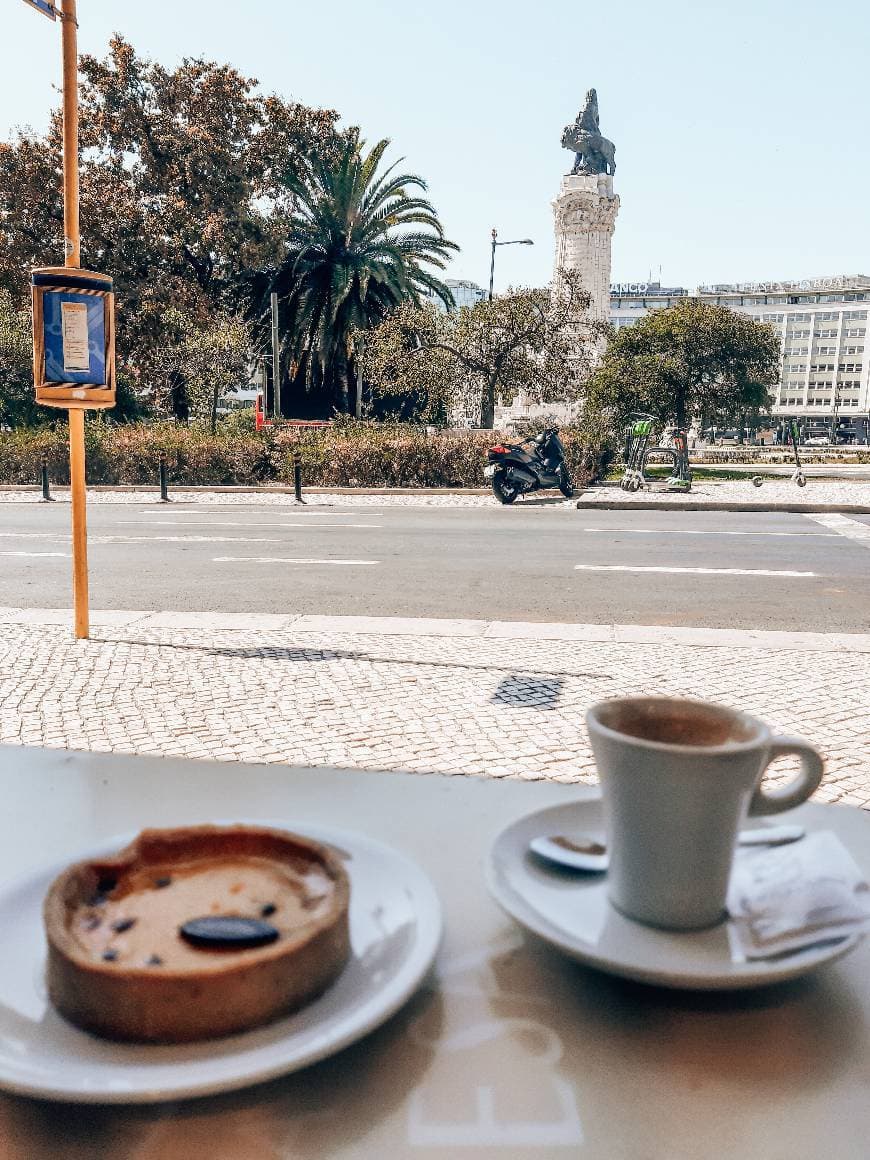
x=542, y=561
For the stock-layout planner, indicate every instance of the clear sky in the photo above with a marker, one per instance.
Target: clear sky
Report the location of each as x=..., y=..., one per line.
x=741, y=126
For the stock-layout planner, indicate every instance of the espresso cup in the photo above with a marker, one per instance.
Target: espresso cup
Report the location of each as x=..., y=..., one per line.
x=678, y=778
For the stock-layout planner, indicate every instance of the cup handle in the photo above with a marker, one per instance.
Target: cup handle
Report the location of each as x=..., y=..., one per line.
x=797, y=791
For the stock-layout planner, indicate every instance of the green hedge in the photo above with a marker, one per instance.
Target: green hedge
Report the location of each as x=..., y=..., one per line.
x=344, y=455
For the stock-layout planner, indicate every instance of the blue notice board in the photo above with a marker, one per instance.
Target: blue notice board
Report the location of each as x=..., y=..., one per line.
x=74, y=327
x=46, y=7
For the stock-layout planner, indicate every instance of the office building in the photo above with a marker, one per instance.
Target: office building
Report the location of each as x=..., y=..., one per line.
x=464, y=293
x=822, y=325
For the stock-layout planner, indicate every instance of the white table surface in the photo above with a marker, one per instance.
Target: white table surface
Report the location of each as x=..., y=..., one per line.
x=509, y=1050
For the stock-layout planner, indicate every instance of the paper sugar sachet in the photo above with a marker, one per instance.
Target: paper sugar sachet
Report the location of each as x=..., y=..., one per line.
x=783, y=898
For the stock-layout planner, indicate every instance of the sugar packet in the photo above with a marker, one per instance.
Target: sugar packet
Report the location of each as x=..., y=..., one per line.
x=783, y=898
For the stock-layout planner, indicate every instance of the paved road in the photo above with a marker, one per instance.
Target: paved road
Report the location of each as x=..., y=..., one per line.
x=548, y=563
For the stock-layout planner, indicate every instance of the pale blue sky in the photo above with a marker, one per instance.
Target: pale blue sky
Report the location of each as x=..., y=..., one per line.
x=741, y=126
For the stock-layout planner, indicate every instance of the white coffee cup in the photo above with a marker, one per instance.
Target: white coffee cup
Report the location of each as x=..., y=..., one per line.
x=678, y=779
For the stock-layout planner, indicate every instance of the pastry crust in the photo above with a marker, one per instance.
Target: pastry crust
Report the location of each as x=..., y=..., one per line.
x=113, y=990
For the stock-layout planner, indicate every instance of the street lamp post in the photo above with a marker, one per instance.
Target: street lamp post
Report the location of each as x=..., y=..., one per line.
x=496, y=242
x=834, y=415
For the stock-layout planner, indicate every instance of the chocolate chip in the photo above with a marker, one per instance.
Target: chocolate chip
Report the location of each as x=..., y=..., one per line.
x=106, y=884
x=97, y=900
x=154, y=961
x=160, y=883
x=110, y=956
x=268, y=909
x=123, y=924
x=227, y=932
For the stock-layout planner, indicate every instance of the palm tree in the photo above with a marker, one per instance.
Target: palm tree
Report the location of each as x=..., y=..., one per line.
x=359, y=245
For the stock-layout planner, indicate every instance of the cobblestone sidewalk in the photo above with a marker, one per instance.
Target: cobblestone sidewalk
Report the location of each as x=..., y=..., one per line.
x=458, y=697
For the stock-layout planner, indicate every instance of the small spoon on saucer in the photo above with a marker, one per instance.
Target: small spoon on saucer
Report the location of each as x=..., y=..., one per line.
x=588, y=852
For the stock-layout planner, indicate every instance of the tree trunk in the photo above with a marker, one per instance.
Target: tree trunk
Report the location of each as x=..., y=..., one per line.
x=214, y=410
x=487, y=404
x=680, y=409
x=342, y=388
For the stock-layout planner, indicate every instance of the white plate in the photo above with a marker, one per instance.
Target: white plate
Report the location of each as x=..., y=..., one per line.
x=395, y=928
x=571, y=911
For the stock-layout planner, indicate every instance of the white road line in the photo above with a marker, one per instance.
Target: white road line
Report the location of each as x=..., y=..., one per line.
x=34, y=536
x=304, y=524
x=61, y=538
x=695, y=571
x=703, y=532
x=842, y=526
x=282, y=560
x=200, y=517
x=184, y=540
x=65, y=555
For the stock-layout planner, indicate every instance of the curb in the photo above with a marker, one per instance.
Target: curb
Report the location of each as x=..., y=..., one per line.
x=234, y=489
x=855, y=509
x=579, y=634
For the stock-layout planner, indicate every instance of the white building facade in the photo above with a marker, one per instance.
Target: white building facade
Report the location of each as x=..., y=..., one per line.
x=463, y=293
x=822, y=324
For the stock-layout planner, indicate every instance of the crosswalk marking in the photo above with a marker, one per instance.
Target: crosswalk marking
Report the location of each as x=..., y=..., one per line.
x=842, y=526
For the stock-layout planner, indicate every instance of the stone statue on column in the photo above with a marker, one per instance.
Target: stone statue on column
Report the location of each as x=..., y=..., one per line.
x=592, y=152
x=585, y=208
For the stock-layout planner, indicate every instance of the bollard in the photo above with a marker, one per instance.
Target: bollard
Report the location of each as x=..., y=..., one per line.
x=297, y=477
x=46, y=490
x=164, y=495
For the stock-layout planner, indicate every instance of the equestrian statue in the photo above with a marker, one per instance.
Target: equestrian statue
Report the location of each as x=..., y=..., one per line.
x=593, y=153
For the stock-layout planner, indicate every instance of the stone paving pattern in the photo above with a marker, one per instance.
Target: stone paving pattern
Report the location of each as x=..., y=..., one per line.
x=480, y=706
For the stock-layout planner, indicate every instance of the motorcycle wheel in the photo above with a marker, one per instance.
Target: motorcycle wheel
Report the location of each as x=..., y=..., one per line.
x=504, y=492
x=566, y=486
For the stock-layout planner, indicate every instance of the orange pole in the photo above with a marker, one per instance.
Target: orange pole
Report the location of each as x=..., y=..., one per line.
x=72, y=258
x=69, y=31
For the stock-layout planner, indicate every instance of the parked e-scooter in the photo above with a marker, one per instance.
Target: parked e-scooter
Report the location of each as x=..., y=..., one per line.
x=637, y=440
x=797, y=475
x=639, y=456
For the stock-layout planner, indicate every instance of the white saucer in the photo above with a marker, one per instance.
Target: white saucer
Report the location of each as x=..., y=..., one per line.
x=395, y=928
x=571, y=911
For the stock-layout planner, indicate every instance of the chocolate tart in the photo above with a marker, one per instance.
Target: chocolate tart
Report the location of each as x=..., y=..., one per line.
x=196, y=932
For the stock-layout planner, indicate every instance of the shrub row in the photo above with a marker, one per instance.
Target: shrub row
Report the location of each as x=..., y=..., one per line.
x=780, y=454
x=346, y=455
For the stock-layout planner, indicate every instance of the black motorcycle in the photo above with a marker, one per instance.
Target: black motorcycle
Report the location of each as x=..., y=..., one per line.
x=532, y=465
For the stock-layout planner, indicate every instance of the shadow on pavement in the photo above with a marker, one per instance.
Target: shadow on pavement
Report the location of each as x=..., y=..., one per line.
x=553, y=678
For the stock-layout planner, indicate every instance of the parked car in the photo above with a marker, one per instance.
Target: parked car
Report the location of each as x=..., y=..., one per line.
x=813, y=437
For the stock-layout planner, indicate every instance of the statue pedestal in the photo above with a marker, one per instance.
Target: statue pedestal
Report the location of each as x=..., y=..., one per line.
x=585, y=216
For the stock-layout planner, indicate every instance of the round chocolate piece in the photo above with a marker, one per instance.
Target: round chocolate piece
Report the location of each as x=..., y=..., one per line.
x=227, y=932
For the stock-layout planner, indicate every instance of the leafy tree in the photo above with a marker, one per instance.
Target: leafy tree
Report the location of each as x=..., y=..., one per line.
x=410, y=378
x=181, y=189
x=17, y=402
x=692, y=359
x=358, y=246
x=204, y=364
x=536, y=341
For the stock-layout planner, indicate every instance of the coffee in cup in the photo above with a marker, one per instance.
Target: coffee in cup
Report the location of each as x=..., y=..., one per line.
x=678, y=778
